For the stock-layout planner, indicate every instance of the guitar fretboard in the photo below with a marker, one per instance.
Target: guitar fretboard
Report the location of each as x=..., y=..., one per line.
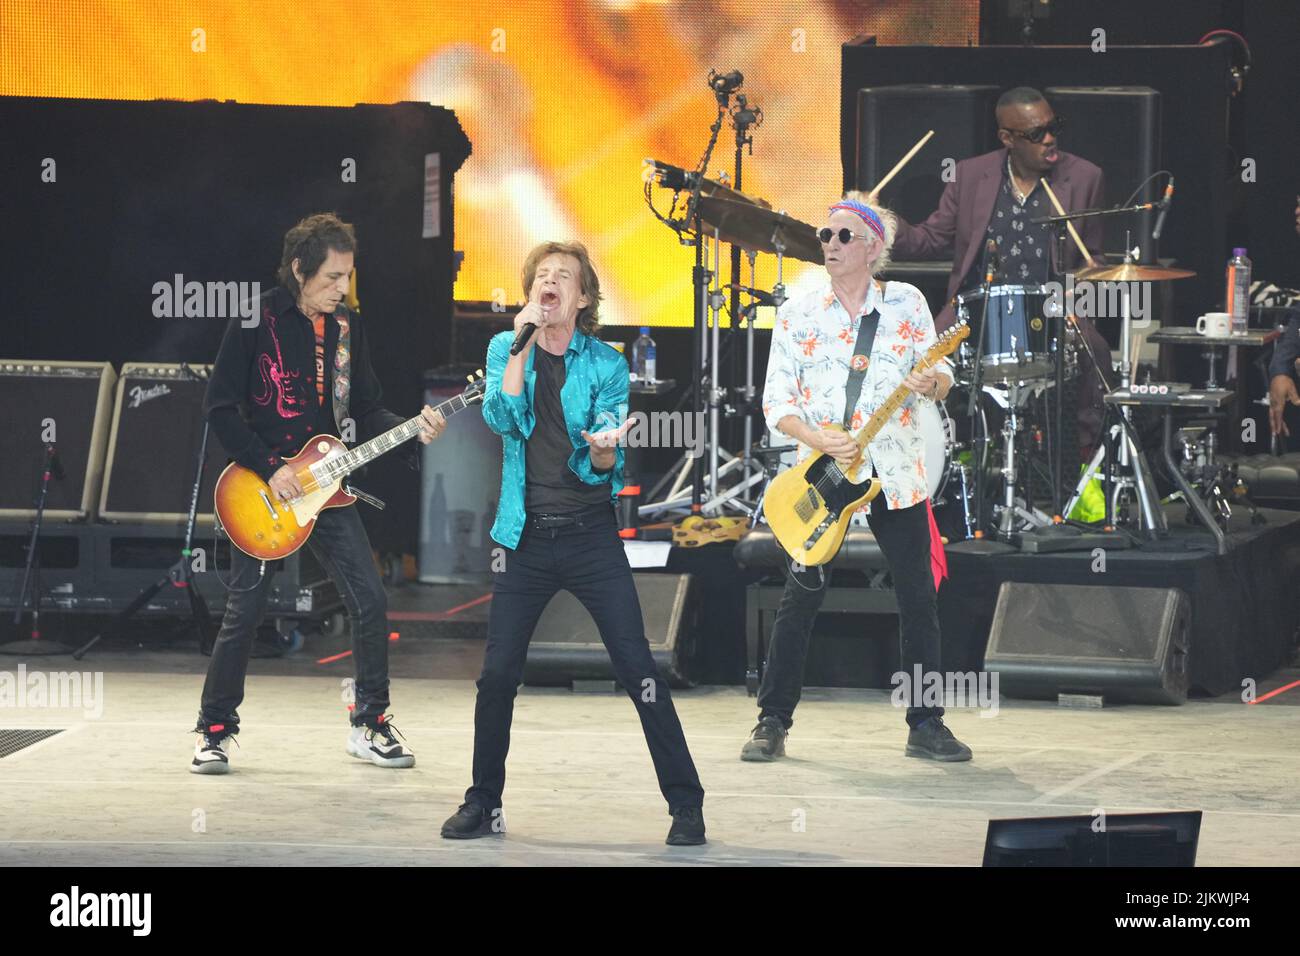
x=881, y=415
x=380, y=444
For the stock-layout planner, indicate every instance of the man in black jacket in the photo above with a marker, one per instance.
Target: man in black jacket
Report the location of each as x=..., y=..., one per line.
x=300, y=370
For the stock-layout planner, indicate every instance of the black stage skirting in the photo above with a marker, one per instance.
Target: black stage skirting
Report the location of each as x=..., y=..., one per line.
x=1245, y=604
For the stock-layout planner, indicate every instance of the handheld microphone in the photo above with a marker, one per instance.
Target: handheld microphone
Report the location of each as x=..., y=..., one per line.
x=522, y=338
x=1165, y=203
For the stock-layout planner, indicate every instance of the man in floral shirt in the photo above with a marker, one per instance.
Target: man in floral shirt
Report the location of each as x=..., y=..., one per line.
x=813, y=350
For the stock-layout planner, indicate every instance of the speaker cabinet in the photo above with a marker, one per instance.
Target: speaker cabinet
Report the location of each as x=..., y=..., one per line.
x=66, y=404
x=1118, y=128
x=1124, y=644
x=892, y=118
x=154, y=446
x=566, y=645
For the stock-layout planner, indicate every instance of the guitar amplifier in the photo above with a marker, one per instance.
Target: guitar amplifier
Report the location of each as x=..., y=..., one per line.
x=154, y=446
x=64, y=403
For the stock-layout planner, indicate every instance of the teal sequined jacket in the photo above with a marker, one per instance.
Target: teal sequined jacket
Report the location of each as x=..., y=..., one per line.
x=595, y=397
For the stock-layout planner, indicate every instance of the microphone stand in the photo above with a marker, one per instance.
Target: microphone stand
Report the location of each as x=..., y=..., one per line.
x=700, y=279
x=973, y=405
x=35, y=645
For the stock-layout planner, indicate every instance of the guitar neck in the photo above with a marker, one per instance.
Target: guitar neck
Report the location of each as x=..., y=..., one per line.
x=886, y=411
x=382, y=444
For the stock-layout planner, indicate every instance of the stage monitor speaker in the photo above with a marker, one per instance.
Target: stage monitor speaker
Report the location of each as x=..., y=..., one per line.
x=1124, y=644
x=892, y=118
x=1118, y=128
x=566, y=646
x=154, y=445
x=66, y=404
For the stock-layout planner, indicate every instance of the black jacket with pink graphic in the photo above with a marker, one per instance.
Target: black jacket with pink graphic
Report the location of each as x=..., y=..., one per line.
x=262, y=400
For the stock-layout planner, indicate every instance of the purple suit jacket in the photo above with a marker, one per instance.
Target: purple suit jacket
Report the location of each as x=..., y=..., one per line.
x=958, y=226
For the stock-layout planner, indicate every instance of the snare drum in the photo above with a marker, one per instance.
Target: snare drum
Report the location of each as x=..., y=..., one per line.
x=1017, y=330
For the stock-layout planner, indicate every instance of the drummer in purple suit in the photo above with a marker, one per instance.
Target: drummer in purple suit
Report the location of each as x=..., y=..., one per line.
x=995, y=196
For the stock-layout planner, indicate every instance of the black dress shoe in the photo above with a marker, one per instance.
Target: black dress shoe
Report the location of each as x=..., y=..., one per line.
x=766, y=742
x=933, y=741
x=687, y=828
x=469, y=823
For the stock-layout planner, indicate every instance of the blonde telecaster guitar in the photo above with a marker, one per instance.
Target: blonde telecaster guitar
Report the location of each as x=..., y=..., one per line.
x=809, y=506
x=264, y=527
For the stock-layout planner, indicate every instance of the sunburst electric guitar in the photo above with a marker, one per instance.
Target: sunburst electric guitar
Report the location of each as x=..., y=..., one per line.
x=264, y=527
x=809, y=506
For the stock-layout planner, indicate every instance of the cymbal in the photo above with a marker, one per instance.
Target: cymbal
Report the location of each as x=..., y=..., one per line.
x=1132, y=272
x=711, y=187
x=750, y=226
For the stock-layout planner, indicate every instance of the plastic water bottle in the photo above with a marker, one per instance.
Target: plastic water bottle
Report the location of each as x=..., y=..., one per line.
x=643, y=357
x=1236, y=300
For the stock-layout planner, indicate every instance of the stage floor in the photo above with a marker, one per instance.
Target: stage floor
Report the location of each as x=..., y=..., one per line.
x=581, y=791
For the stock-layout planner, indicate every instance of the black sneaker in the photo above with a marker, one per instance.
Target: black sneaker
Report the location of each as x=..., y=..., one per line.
x=687, y=828
x=934, y=741
x=471, y=822
x=212, y=750
x=766, y=742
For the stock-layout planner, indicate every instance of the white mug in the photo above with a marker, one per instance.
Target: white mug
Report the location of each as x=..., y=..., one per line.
x=1216, y=324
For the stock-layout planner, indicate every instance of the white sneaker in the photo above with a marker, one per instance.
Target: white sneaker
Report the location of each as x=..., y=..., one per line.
x=379, y=745
x=212, y=752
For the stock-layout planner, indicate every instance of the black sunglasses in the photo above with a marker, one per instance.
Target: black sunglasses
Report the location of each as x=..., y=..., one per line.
x=1036, y=134
x=845, y=236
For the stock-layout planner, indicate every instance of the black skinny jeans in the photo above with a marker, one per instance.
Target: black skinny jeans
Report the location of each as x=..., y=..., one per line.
x=340, y=544
x=904, y=536
x=588, y=560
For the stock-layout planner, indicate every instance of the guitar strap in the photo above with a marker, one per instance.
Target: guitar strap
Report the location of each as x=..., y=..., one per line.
x=342, y=371
x=858, y=364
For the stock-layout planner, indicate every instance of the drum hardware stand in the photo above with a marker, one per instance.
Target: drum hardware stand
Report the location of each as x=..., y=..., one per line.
x=36, y=645
x=1130, y=472
x=705, y=301
x=180, y=574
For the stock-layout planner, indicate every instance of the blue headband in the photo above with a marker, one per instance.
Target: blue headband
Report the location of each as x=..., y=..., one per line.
x=864, y=212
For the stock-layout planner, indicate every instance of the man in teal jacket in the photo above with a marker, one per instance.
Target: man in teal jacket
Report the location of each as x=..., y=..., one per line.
x=557, y=404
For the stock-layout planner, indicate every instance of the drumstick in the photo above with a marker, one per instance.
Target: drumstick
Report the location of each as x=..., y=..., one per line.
x=1060, y=211
x=901, y=163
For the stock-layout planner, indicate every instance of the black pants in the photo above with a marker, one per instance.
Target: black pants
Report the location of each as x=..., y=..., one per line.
x=904, y=537
x=588, y=560
x=340, y=544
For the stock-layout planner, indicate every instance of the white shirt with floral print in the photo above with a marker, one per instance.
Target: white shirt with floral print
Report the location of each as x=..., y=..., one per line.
x=808, y=368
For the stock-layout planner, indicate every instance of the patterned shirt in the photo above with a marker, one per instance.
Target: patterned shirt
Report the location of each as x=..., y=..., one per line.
x=1025, y=246
x=812, y=346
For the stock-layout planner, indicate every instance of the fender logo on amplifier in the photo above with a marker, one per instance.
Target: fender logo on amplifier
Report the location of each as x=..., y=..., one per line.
x=141, y=395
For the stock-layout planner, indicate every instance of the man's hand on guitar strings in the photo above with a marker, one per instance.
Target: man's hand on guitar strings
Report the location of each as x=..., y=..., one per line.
x=431, y=424
x=927, y=383
x=838, y=444
x=285, y=484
